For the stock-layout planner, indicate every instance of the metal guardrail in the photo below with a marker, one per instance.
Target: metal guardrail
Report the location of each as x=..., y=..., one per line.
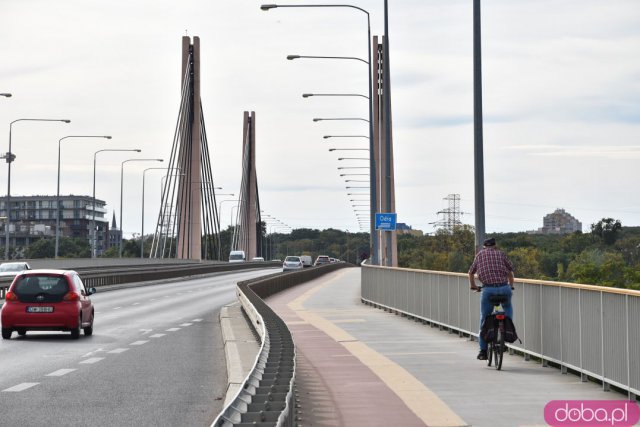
x=267, y=396
x=592, y=330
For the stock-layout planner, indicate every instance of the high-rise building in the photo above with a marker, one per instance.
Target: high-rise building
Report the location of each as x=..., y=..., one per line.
x=559, y=222
x=34, y=218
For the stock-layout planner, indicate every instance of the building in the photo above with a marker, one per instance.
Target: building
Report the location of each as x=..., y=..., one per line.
x=559, y=222
x=34, y=218
x=115, y=234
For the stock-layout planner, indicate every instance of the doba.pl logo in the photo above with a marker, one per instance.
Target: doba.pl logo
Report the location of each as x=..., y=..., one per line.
x=591, y=413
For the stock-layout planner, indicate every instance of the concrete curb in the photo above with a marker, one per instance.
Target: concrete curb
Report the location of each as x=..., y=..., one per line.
x=240, y=346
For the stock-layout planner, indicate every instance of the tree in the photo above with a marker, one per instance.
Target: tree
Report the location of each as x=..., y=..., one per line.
x=41, y=248
x=607, y=230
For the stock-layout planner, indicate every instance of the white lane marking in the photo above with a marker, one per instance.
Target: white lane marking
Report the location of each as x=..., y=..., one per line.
x=118, y=350
x=186, y=324
x=136, y=303
x=157, y=335
x=92, y=360
x=173, y=329
x=139, y=342
x=20, y=387
x=145, y=331
x=117, y=308
x=166, y=296
x=91, y=353
x=152, y=299
x=60, y=372
x=197, y=320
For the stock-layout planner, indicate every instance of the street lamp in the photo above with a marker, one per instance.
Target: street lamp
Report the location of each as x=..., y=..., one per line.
x=354, y=174
x=58, y=210
x=345, y=136
x=308, y=95
x=352, y=158
x=6, y=95
x=292, y=57
x=121, y=191
x=10, y=157
x=349, y=149
x=372, y=166
x=93, y=218
x=340, y=118
x=355, y=180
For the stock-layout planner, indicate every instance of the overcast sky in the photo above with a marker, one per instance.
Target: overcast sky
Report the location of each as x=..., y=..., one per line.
x=561, y=96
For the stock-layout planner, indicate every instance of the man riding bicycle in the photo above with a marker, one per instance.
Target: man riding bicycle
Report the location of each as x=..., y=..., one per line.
x=495, y=271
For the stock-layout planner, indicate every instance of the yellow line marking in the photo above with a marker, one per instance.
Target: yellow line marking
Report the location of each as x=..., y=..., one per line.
x=418, y=398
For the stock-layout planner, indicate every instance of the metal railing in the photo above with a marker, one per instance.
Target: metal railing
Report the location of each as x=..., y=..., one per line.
x=267, y=396
x=592, y=330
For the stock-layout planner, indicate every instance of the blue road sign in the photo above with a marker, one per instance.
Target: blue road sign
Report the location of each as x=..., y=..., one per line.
x=386, y=221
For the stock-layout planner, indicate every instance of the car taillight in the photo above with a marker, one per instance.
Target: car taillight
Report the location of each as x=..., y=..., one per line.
x=71, y=296
x=11, y=296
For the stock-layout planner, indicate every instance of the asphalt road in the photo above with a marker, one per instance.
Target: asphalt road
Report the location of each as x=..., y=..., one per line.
x=156, y=358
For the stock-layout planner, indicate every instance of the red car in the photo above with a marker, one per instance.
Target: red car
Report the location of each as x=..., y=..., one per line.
x=47, y=300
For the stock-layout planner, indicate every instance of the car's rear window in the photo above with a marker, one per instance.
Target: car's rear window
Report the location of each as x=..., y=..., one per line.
x=236, y=256
x=34, y=285
x=292, y=259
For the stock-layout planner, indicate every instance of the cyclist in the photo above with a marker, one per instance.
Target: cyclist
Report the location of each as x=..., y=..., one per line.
x=495, y=271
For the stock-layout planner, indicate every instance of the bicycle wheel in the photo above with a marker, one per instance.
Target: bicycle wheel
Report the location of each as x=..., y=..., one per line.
x=499, y=347
x=489, y=353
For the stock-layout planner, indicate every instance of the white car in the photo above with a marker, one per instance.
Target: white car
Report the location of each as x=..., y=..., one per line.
x=257, y=259
x=292, y=263
x=11, y=269
x=237, y=256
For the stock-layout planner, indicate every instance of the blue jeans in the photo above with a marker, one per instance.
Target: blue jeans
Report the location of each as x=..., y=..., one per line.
x=486, y=308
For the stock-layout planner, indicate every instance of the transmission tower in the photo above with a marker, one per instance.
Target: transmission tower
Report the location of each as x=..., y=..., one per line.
x=450, y=216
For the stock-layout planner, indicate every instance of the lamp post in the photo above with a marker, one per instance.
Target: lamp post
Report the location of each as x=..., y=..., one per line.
x=93, y=218
x=309, y=95
x=372, y=166
x=339, y=118
x=352, y=158
x=121, y=192
x=292, y=57
x=349, y=149
x=58, y=210
x=345, y=136
x=10, y=157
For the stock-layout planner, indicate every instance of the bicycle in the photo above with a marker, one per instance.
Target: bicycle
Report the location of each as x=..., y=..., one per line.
x=497, y=347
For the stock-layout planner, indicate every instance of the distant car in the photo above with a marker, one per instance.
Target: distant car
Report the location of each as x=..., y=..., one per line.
x=322, y=259
x=292, y=263
x=306, y=260
x=10, y=269
x=333, y=260
x=47, y=300
x=237, y=256
x=257, y=258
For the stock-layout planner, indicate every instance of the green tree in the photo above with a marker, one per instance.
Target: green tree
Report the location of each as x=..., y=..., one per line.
x=607, y=230
x=595, y=267
x=526, y=262
x=41, y=248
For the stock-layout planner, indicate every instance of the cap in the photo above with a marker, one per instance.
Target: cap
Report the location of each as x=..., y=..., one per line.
x=489, y=242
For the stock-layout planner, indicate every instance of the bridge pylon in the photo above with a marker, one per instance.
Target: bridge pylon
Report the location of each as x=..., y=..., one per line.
x=249, y=231
x=188, y=224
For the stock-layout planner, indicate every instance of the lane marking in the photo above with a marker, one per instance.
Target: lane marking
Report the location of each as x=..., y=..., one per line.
x=197, y=320
x=139, y=342
x=157, y=335
x=92, y=360
x=173, y=329
x=19, y=387
x=117, y=308
x=186, y=324
x=118, y=350
x=136, y=303
x=417, y=396
x=60, y=372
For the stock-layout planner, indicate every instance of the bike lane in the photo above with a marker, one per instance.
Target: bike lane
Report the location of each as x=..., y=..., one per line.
x=362, y=366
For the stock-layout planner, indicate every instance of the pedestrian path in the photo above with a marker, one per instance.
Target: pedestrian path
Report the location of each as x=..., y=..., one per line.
x=362, y=366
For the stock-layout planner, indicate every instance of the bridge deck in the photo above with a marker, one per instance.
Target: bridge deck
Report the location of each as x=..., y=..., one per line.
x=361, y=366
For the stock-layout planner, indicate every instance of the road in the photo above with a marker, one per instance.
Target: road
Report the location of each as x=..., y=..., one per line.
x=155, y=359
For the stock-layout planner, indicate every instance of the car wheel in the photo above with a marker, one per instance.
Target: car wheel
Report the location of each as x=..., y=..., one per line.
x=88, y=331
x=6, y=333
x=22, y=332
x=75, y=333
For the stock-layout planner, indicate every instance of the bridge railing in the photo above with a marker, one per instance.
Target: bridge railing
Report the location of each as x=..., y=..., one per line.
x=267, y=396
x=591, y=330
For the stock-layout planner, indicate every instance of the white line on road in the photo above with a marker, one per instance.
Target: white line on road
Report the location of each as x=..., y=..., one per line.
x=20, y=387
x=92, y=360
x=173, y=329
x=117, y=308
x=118, y=350
x=139, y=342
x=136, y=303
x=157, y=335
x=197, y=320
x=60, y=372
x=186, y=324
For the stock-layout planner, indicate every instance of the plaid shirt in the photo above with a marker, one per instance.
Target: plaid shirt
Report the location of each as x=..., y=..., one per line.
x=492, y=266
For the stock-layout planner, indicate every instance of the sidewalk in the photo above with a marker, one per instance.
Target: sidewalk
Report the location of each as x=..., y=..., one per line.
x=361, y=366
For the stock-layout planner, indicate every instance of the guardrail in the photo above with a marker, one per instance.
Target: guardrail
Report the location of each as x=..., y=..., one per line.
x=592, y=330
x=267, y=396
x=116, y=275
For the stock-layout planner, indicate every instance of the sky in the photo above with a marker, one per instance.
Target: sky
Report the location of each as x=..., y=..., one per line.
x=561, y=101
